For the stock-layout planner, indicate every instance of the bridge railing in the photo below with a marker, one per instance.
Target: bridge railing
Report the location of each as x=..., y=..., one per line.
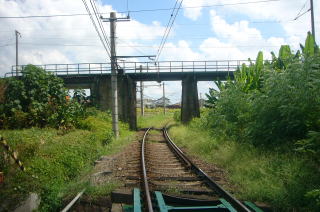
x=135, y=67
x=67, y=69
x=182, y=66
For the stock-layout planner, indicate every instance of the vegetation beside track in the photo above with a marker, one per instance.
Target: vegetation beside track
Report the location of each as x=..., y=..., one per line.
x=156, y=118
x=278, y=178
x=58, y=162
x=263, y=127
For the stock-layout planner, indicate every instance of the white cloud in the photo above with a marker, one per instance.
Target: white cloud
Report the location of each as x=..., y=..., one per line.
x=43, y=38
x=179, y=51
x=192, y=10
x=236, y=41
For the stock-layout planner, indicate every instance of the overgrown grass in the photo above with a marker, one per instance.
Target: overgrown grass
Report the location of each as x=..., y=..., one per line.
x=55, y=160
x=279, y=179
x=155, y=118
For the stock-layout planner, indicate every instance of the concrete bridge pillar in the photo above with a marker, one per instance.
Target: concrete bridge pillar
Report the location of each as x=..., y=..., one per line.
x=101, y=93
x=127, y=100
x=189, y=101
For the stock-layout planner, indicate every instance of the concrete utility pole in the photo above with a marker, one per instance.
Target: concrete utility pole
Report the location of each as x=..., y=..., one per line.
x=312, y=20
x=141, y=95
x=17, y=50
x=164, y=99
x=114, y=83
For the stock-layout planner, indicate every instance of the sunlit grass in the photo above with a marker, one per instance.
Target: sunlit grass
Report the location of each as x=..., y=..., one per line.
x=155, y=118
x=280, y=180
x=57, y=163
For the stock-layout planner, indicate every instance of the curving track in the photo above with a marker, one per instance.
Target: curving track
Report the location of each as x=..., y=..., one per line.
x=167, y=169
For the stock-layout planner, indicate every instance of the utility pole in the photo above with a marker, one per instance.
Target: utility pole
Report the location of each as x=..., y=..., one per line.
x=114, y=84
x=312, y=20
x=201, y=100
x=164, y=99
x=141, y=95
x=17, y=50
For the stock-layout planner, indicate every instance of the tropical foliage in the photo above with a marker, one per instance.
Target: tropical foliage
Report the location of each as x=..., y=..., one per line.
x=274, y=104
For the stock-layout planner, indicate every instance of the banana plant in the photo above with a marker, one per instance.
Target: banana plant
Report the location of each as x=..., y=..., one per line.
x=284, y=58
x=213, y=95
x=310, y=48
x=249, y=77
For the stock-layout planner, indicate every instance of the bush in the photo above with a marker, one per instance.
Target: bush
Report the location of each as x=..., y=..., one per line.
x=276, y=105
x=288, y=105
x=271, y=103
x=38, y=98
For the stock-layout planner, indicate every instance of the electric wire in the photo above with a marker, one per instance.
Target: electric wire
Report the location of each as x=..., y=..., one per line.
x=57, y=44
x=205, y=47
x=167, y=32
x=137, y=11
x=96, y=12
x=299, y=13
x=296, y=18
x=96, y=28
x=8, y=44
x=203, y=6
x=167, y=26
x=135, y=48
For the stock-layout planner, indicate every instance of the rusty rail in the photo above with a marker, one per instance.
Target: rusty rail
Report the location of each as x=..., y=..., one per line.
x=209, y=181
x=144, y=171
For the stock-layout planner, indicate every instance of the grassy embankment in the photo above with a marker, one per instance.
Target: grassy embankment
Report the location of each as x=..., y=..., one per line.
x=58, y=163
x=278, y=178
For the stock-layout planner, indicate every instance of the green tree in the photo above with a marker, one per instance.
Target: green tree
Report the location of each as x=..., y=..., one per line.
x=37, y=98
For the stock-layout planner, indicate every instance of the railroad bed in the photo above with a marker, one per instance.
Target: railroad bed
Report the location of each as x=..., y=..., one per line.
x=160, y=177
x=172, y=182
x=166, y=173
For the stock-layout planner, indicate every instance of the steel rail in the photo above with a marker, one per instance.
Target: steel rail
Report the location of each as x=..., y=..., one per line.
x=210, y=182
x=144, y=171
x=73, y=201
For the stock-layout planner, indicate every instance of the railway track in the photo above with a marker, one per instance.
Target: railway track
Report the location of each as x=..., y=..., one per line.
x=158, y=176
x=177, y=180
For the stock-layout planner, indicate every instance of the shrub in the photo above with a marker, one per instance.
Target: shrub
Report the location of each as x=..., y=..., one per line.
x=271, y=103
x=38, y=98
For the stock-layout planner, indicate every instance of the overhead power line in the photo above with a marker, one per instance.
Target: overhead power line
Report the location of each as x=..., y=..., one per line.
x=138, y=50
x=96, y=12
x=203, y=6
x=8, y=44
x=173, y=16
x=205, y=47
x=58, y=44
x=96, y=28
x=300, y=13
x=138, y=11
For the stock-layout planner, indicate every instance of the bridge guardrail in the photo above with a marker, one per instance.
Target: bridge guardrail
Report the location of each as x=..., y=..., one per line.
x=135, y=67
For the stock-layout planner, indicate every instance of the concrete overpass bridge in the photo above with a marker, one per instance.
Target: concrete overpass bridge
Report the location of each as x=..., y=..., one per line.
x=97, y=78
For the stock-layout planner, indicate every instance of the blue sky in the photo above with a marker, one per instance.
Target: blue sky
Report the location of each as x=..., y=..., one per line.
x=199, y=32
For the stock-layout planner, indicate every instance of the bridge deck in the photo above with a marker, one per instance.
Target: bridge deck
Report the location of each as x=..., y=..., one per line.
x=144, y=71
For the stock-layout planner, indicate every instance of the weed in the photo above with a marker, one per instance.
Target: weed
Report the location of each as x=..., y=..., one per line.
x=280, y=179
x=55, y=161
